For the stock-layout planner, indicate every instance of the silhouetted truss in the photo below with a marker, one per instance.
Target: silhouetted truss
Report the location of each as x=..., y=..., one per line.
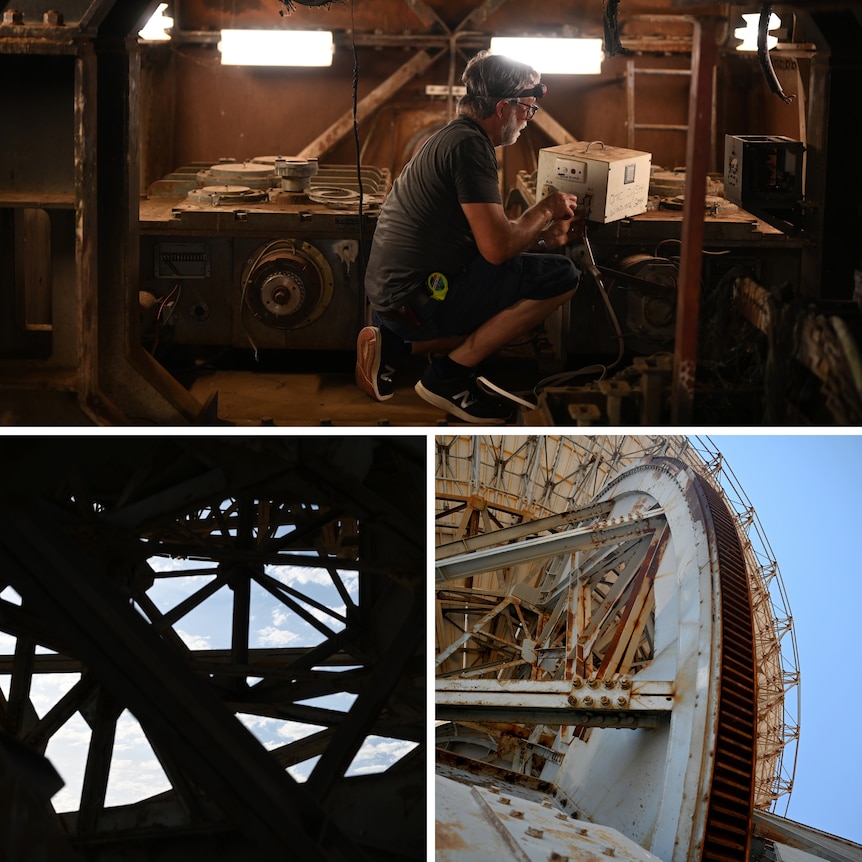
x=95, y=531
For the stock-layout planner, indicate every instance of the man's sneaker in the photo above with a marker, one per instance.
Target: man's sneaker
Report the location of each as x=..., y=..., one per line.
x=495, y=389
x=462, y=397
x=373, y=371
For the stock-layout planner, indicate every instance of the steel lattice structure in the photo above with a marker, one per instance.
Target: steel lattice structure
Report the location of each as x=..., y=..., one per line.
x=566, y=598
x=92, y=532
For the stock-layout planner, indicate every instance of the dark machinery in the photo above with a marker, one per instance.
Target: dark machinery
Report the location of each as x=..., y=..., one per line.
x=260, y=254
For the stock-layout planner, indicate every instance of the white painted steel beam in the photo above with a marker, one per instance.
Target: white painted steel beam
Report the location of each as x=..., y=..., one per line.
x=580, y=539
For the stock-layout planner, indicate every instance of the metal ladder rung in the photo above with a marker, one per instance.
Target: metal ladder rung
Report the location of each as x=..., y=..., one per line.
x=659, y=128
x=631, y=125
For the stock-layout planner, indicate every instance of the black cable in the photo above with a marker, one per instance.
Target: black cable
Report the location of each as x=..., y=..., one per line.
x=356, y=134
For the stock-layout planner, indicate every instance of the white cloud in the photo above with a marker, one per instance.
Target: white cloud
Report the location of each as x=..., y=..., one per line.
x=274, y=732
x=193, y=641
x=177, y=564
x=301, y=771
x=47, y=688
x=10, y=595
x=67, y=751
x=299, y=576
x=378, y=754
x=293, y=730
x=273, y=636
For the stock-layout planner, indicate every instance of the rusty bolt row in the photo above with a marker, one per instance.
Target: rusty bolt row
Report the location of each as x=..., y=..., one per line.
x=592, y=682
x=604, y=700
x=14, y=16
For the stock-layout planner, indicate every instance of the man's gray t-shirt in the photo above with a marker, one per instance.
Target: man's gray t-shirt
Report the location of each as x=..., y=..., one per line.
x=421, y=228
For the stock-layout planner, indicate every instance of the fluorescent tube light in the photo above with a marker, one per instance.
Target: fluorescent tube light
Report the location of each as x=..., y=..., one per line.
x=276, y=47
x=550, y=56
x=154, y=29
x=748, y=33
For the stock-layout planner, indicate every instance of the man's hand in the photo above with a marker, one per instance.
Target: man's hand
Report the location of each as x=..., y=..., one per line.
x=559, y=233
x=561, y=205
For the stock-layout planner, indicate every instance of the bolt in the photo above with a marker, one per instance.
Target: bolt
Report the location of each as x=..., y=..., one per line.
x=577, y=682
x=622, y=701
x=609, y=851
x=518, y=815
x=493, y=789
x=625, y=682
x=573, y=701
x=588, y=701
x=593, y=683
x=605, y=700
x=557, y=857
x=535, y=833
x=561, y=815
x=546, y=803
x=53, y=18
x=13, y=16
x=505, y=800
x=610, y=683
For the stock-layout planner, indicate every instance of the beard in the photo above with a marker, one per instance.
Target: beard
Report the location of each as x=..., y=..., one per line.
x=510, y=132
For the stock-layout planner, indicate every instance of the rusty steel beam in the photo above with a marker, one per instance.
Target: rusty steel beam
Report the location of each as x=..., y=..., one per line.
x=611, y=702
x=324, y=142
x=703, y=62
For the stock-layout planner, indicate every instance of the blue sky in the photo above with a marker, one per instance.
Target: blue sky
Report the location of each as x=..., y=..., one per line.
x=803, y=488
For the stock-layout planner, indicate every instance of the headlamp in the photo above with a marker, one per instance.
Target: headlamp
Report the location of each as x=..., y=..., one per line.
x=537, y=91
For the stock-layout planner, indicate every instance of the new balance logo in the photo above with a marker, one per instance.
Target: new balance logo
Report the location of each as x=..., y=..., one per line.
x=464, y=399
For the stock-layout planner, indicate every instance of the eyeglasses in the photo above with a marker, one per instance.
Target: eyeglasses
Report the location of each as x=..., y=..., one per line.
x=530, y=109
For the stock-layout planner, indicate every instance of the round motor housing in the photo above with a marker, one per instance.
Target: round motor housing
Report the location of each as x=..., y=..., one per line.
x=287, y=284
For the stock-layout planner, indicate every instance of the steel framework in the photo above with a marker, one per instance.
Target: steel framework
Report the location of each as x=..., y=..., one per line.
x=94, y=534
x=572, y=578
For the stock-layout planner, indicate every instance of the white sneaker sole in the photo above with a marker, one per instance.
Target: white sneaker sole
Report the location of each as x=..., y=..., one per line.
x=367, y=381
x=446, y=405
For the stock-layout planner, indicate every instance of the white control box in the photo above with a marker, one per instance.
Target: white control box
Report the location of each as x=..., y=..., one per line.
x=612, y=182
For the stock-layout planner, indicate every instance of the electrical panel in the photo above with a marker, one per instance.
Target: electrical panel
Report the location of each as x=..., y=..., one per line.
x=611, y=182
x=763, y=171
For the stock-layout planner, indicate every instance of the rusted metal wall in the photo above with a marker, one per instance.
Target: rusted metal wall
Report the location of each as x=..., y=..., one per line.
x=202, y=111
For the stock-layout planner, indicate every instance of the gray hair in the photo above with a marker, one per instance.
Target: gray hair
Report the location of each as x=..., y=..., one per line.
x=491, y=77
